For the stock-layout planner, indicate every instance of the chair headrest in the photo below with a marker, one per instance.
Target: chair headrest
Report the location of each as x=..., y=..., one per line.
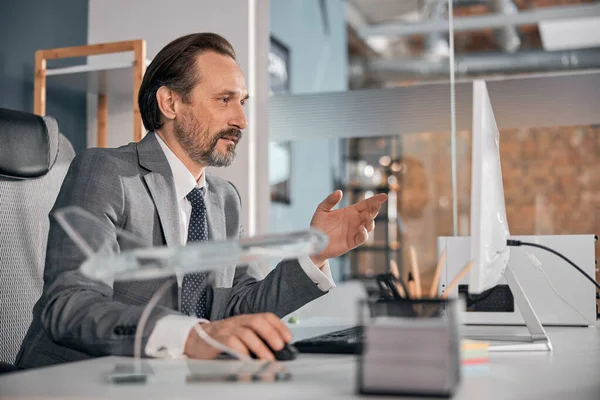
x=28, y=144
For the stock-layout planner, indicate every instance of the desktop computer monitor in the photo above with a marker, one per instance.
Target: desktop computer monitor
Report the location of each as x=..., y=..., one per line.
x=489, y=227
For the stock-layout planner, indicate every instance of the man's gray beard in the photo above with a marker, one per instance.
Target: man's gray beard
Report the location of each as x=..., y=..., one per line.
x=210, y=157
x=216, y=159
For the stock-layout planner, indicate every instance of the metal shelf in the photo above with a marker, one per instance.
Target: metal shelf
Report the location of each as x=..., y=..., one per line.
x=112, y=78
x=381, y=248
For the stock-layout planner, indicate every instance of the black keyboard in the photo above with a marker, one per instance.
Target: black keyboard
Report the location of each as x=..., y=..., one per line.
x=345, y=341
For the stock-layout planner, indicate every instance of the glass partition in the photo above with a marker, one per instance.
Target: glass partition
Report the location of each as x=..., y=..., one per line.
x=367, y=108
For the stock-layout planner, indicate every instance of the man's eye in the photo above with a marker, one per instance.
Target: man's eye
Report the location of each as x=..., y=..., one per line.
x=224, y=99
x=243, y=102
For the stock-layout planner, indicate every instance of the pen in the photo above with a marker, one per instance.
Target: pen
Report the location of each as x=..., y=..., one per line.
x=433, y=290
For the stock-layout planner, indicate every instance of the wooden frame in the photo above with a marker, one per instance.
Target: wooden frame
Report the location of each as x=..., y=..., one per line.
x=139, y=67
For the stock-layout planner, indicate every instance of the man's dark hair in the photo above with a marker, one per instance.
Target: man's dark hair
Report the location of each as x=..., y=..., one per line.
x=175, y=67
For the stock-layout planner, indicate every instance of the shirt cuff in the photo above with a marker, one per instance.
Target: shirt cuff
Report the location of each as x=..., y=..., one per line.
x=322, y=277
x=169, y=336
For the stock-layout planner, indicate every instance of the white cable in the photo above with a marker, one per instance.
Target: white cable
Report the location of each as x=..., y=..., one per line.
x=538, y=264
x=219, y=346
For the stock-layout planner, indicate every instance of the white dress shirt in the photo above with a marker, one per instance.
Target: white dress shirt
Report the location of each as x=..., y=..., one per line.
x=171, y=332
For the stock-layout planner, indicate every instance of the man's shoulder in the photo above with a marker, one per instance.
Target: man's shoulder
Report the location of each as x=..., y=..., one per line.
x=117, y=160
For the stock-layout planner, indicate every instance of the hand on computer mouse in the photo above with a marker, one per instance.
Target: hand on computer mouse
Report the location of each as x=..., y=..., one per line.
x=288, y=353
x=258, y=334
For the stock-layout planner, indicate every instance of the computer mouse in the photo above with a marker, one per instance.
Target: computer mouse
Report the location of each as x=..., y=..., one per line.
x=288, y=352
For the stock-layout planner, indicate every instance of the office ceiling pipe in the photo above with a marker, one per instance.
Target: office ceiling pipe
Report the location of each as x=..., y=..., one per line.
x=530, y=61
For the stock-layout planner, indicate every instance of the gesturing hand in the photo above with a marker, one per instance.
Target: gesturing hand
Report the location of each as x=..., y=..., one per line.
x=347, y=227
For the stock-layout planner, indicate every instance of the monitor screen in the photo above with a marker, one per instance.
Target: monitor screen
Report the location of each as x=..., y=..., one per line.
x=489, y=227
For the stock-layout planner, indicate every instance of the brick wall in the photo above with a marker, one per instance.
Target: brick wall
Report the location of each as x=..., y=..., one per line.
x=550, y=184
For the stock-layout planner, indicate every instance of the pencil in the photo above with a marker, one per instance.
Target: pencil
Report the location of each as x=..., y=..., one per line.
x=433, y=290
x=457, y=280
x=415, y=270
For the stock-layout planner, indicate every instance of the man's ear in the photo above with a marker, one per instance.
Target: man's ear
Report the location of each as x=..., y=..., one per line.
x=165, y=98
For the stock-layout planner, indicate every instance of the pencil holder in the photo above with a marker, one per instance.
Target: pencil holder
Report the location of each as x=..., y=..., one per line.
x=411, y=347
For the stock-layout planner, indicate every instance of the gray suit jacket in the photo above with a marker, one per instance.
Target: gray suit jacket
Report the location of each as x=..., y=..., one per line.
x=132, y=188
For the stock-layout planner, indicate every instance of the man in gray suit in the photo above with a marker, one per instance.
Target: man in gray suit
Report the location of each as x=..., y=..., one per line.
x=191, y=101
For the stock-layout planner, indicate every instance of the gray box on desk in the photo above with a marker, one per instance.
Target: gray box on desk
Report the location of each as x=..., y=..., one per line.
x=550, y=309
x=411, y=348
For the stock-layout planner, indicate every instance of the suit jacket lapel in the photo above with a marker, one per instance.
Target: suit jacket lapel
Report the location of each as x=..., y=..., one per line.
x=161, y=186
x=215, y=214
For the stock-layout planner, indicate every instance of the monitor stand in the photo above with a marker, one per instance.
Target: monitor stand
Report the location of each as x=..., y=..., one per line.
x=537, y=340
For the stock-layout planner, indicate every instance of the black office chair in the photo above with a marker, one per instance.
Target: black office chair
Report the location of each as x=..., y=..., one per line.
x=34, y=158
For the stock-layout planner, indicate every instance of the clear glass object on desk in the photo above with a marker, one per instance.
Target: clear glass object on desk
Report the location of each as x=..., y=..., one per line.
x=137, y=260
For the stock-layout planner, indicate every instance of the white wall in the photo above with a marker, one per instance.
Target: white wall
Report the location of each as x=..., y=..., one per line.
x=245, y=24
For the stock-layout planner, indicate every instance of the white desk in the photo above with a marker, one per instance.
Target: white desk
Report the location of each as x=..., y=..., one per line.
x=571, y=371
